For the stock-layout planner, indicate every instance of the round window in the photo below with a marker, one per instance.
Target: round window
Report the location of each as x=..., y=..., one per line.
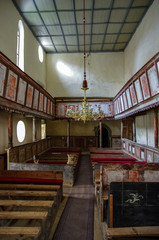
x=20, y=131
x=40, y=52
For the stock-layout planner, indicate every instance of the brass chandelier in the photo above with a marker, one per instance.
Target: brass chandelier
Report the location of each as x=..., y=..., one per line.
x=85, y=113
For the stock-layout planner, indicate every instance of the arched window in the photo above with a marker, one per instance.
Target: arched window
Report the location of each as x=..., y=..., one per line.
x=40, y=53
x=20, y=46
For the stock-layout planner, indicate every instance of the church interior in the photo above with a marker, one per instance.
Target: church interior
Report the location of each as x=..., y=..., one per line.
x=79, y=135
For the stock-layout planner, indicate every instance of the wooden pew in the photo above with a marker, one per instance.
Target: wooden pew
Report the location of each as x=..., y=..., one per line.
x=135, y=214
x=10, y=232
x=27, y=203
x=123, y=172
x=24, y=195
x=132, y=232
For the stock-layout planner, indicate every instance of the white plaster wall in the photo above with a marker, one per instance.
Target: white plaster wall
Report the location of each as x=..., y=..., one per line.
x=150, y=129
x=105, y=74
x=9, y=18
x=145, y=129
x=79, y=128
x=4, y=129
x=144, y=44
x=141, y=133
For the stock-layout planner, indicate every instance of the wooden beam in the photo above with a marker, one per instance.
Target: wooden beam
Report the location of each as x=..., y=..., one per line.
x=111, y=210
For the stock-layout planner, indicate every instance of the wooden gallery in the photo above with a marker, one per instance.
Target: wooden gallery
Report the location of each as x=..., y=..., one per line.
x=79, y=117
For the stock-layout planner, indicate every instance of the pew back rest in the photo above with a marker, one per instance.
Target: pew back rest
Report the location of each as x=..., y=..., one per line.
x=134, y=204
x=32, y=174
x=128, y=172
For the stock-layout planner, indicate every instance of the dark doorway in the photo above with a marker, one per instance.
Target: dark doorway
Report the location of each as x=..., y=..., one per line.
x=105, y=138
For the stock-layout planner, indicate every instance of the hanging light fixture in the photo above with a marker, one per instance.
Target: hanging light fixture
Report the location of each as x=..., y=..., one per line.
x=85, y=113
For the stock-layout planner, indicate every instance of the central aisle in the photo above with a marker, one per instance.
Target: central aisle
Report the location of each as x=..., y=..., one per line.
x=77, y=220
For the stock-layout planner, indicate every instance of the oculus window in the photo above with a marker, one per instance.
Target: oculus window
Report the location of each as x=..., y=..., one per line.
x=20, y=46
x=21, y=131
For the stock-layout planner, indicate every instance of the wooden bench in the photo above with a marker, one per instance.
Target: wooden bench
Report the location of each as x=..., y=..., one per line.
x=23, y=215
x=23, y=193
x=56, y=188
x=30, y=198
x=11, y=232
x=27, y=203
x=133, y=232
x=123, y=172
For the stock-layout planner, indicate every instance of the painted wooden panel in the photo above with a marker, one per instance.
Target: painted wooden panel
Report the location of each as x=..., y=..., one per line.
x=125, y=101
x=145, y=87
x=3, y=70
x=18, y=87
x=153, y=80
x=45, y=103
x=36, y=98
x=133, y=94
x=138, y=90
x=21, y=91
x=29, y=96
x=149, y=157
x=11, y=85
x=122, y=103
x=156, y=158
x=41, y=100
x=158, y=66
x=51, y=108
x=128, y=98
x=48, y=106
x=62, y=108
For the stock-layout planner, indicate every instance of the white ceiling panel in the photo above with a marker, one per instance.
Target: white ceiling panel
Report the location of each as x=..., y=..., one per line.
x=102, y=4
x=71, y=40
x=113, y=28
x=135, y=14
x=108, y=47
x=98, y=28
x=46, y=5
x=79, y=17
x=138, y=3
x=124, y=37
x=128, y=27
x=110, y=38
x=66, y=17
x=96, y=47
x=38, y=30
x=54, y=30
x=117, y=15
x=26, y=6
x=58, y=24
x=121, y=3
x=97, y=39
x=69, y=29
x=100, y=16
x=58, y=40
x=33, y=18
x=50, y=18
x=120, y=46
x=63, y=4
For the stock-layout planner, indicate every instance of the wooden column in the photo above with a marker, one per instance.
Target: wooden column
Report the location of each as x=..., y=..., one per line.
x=121, y=128
x=34, y=129
x=100, y=134
x=10, y=130
x=156, y=127
x=134, y=130
x=68, y=134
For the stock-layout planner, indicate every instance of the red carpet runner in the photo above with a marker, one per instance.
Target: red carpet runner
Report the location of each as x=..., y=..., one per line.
x=77, y=221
